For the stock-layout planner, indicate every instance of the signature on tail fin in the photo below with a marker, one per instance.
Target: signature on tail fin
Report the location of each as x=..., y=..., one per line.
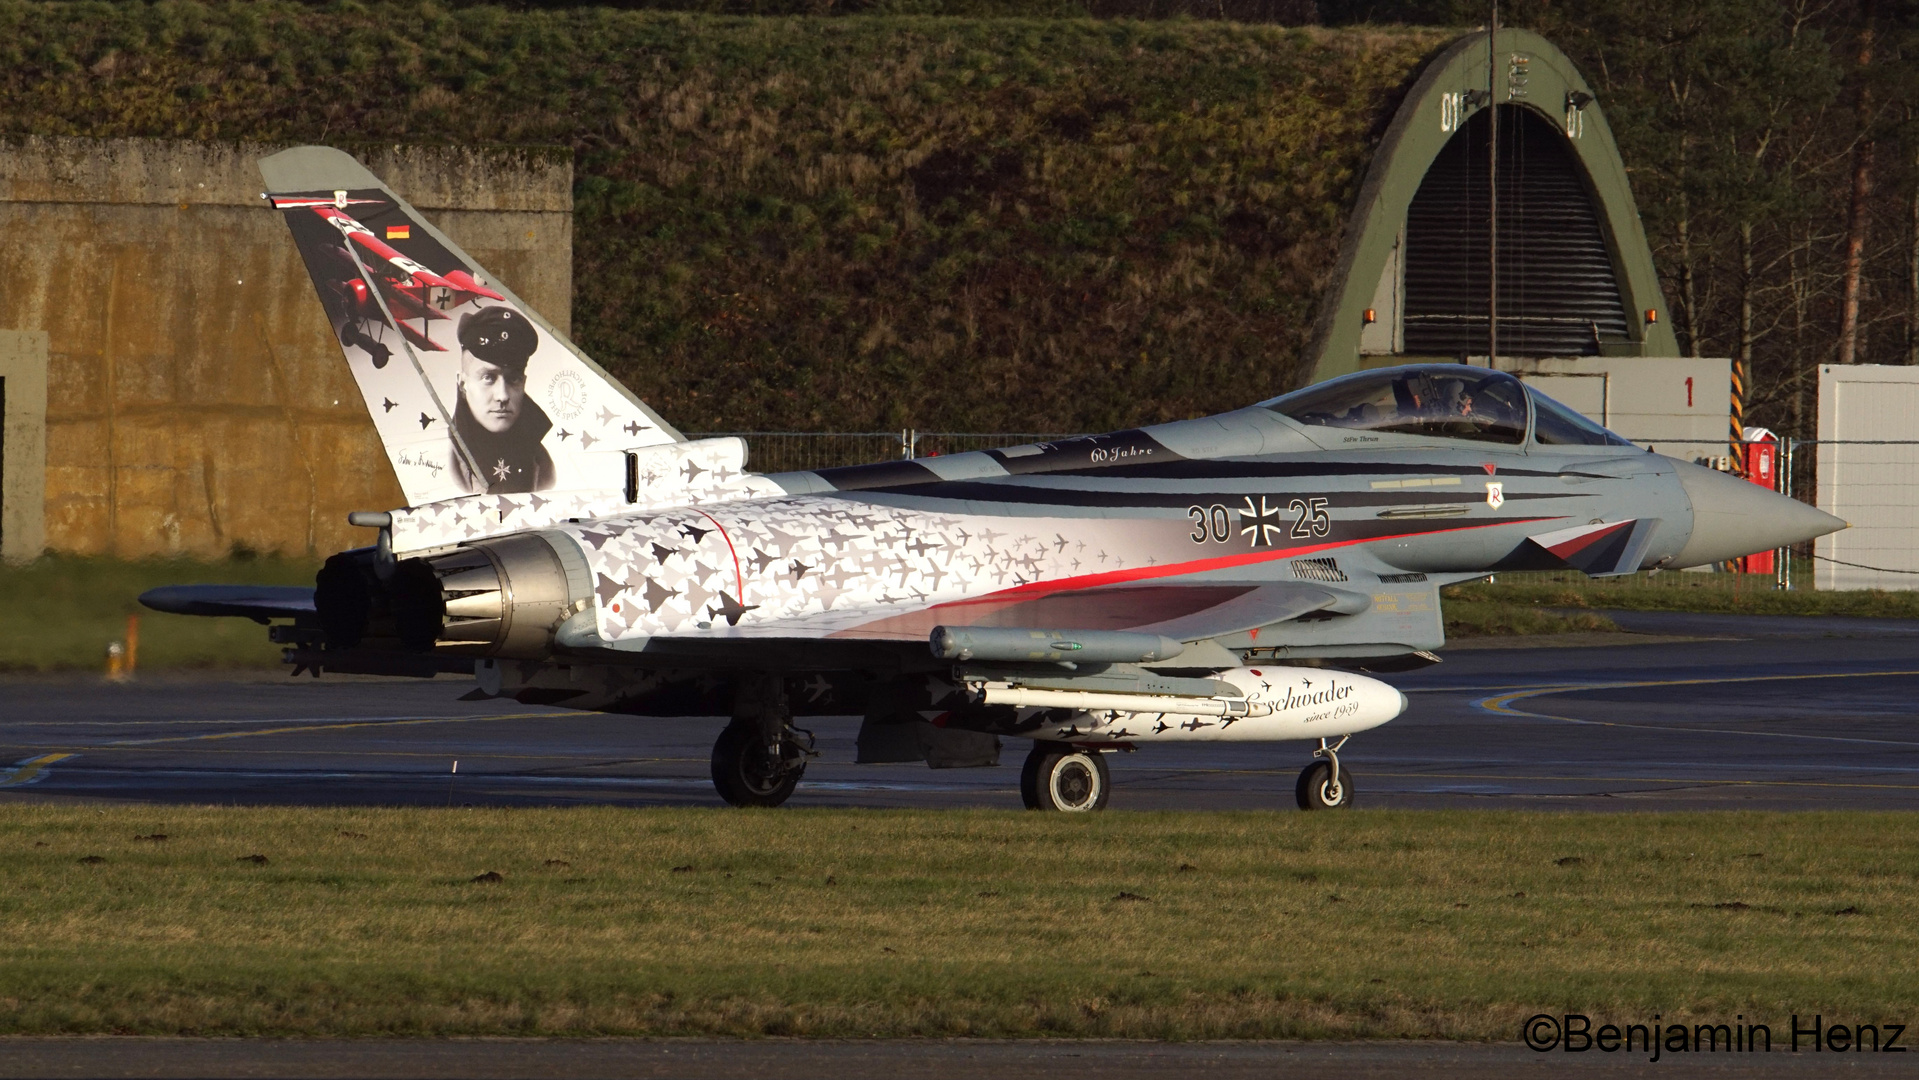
x=470, y=390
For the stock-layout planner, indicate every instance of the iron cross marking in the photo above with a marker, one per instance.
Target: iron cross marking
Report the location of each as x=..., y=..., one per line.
x=1262, y=524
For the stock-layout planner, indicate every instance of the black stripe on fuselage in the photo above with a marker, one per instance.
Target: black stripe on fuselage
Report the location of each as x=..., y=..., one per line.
x=880, y=474
x=1216, y=469
x=1358, y=532
x=1099, y=453
x=987, y=491
x=1135, y=455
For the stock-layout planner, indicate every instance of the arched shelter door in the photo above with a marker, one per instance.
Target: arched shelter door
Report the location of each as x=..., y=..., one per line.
x=1558, y=289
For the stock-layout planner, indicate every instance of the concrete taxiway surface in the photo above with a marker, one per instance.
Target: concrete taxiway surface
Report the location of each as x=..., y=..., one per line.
x=1695, y=712
x=784, y=1059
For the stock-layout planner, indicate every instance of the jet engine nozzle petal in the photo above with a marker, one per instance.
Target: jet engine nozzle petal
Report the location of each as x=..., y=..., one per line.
x=1732, y=517
x=502, y=597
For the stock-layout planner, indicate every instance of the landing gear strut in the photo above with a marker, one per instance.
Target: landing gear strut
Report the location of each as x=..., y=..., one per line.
x=1324, y=785
x=760, y=757
x=1060, y=776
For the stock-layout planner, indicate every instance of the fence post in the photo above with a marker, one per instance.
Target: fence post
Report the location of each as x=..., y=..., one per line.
x=1738, y=416
x=1785, y=480
x=1781, y=573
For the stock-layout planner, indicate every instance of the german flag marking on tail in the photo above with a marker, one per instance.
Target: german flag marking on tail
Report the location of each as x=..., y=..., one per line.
x=429, y=335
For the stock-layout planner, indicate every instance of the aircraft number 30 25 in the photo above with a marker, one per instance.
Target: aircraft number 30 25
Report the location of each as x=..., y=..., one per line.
x=1263, y=523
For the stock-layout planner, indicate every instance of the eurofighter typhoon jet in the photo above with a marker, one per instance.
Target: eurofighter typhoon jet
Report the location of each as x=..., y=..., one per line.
x=1225, y=579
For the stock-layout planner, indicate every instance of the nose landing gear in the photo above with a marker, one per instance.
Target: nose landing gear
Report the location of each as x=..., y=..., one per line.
x=1324, y=785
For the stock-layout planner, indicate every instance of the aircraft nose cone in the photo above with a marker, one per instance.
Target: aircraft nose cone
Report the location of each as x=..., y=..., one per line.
x=1733, y=517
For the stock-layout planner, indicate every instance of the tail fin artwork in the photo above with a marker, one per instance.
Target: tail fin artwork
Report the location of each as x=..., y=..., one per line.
x=471, y=391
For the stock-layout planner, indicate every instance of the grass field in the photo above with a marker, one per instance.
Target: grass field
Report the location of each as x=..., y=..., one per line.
x=837, y=923
x=61, y=611
x=1496, y=618
x=1733, y=594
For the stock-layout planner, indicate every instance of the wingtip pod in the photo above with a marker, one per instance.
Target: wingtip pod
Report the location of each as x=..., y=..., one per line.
x=471, y=391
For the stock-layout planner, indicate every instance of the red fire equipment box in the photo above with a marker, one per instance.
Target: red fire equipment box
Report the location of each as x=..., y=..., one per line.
x=1762, y=468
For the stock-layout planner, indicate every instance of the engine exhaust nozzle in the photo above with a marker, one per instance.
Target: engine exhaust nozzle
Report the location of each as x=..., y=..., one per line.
x=494, y=598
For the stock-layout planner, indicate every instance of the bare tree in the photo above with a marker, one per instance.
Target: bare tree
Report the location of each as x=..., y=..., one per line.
x=1858, y=210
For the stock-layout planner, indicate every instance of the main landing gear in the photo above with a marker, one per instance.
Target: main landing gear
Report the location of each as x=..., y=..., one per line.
x=1324, y=785
x=759, y=759
x=1061, y=776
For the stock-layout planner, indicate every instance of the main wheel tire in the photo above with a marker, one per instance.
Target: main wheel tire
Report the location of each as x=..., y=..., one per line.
x=1029, y=773
x=743, y=773
x=1061, y=777
x=1316, y=791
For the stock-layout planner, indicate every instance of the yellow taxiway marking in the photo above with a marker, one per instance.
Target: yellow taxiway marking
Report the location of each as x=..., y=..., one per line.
x=77, y=749
x=1685, y=781
x=1503, y=704
x=1288, y=771
x=309, y=721
x=27, y=771
x=302, y=728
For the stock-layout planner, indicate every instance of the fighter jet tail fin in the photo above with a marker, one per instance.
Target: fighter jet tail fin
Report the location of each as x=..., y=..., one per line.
x=471, y=391
x=1602, y=549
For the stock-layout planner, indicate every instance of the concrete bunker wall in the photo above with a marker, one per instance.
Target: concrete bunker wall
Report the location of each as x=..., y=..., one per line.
x=195, y=400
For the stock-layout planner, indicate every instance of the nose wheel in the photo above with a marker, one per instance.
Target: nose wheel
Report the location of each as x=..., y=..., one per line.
x=1325, y=785
x=1059, y=776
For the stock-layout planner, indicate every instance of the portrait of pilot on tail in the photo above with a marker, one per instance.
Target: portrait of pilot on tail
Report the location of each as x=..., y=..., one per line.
x=500, y=428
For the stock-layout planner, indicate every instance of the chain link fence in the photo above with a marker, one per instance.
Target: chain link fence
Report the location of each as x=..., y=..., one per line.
x=1874, y=485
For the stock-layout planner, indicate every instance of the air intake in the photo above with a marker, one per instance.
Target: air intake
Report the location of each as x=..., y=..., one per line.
x=1318, y=570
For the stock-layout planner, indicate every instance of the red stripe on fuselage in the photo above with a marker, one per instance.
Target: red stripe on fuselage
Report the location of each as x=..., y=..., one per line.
x=1198, y=566
x=739, y=583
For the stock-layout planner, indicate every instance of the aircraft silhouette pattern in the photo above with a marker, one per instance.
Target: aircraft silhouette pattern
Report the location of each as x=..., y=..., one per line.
x=811, y=565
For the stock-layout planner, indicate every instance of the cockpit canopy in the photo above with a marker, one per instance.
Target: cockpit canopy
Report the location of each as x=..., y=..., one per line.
x=1447, y=401
x=1555, y=424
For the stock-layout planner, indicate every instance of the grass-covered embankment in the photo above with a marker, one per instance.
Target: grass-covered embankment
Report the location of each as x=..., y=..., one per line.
x=835, y=923
x=1004, y=224
x=61, y=611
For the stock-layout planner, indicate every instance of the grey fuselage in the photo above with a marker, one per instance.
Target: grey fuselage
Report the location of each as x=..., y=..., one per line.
x=1244, y=537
